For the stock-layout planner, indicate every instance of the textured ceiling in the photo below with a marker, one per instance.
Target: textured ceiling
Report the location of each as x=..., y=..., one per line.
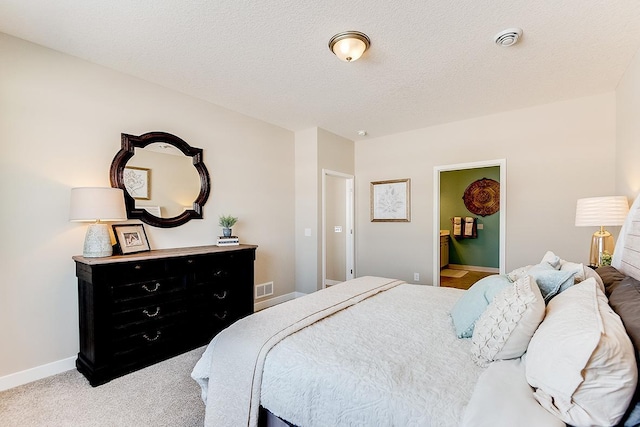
x=431, y=61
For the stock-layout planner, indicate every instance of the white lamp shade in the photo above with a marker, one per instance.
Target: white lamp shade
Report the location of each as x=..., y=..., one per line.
x=97, y=204
x=601, y=211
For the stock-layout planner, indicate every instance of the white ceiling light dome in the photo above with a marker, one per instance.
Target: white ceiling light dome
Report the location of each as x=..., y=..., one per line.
x=349, y=45
x=508, y=37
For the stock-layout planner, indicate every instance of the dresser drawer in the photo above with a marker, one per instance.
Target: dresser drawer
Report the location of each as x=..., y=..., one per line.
x=161, y=286
x=127, y=272
x=220, y=268
x=148, y=339
x=156, y=312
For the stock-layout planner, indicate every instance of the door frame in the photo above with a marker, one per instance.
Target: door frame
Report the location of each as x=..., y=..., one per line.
x=502, y=164
x=349, y=224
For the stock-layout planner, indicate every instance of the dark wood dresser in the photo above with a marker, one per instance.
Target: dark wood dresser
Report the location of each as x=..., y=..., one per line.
x=136, y=310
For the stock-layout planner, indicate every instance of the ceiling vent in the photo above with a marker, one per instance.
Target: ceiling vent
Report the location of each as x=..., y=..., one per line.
x=508, y=37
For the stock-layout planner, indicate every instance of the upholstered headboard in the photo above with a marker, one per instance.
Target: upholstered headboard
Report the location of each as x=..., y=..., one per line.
x=626, y=256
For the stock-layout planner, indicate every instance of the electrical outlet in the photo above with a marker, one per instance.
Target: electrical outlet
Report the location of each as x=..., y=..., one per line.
x=416, y=277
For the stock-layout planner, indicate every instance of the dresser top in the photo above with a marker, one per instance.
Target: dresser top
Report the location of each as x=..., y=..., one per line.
x=162, y=253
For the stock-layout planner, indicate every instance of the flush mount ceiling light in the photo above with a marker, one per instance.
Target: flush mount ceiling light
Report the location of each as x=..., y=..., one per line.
x=508, y=37
x=349, y=45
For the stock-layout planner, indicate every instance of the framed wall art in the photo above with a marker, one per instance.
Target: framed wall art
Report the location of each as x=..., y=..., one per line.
x=391, y=201
x=137, y=181
x=131, y=238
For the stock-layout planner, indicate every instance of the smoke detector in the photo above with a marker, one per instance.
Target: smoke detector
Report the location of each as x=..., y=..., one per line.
x=508, y=37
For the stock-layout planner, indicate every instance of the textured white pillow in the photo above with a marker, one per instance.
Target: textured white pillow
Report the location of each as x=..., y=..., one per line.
x=502, y=398
x=519, y=273
x=505, y=328
x=580, y=360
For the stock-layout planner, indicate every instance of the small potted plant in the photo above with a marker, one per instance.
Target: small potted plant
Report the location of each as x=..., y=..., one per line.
x=226, y=222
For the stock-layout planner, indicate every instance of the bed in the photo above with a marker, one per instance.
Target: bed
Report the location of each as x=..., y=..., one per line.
x=550, y=344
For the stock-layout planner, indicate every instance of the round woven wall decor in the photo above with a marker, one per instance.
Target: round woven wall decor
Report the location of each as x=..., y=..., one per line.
x=482, y=197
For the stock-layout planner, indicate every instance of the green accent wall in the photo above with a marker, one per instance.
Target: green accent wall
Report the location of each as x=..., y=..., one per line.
x=485, y=250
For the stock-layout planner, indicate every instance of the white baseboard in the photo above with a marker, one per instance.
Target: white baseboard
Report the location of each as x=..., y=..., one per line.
x=473, y=268
x=261, y=305
x=39, y=372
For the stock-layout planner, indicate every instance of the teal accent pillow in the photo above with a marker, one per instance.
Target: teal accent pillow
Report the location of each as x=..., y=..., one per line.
x=551, y=281
x=474, y=302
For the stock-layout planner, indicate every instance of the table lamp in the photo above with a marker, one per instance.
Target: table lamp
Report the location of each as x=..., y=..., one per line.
x=97, y=204
x=598, y=212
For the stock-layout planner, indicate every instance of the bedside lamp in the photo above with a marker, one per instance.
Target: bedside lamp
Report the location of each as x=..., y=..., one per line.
x=97, y=204
x=598, y=212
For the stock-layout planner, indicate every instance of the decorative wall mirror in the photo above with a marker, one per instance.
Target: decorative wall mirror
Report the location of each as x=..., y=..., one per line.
x=164, y=179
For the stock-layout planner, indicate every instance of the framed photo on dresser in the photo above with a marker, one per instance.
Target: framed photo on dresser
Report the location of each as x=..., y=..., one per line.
x=131, y=238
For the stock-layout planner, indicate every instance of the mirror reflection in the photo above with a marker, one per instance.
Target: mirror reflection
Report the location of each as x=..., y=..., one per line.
x=161, y=180
x=164, y=179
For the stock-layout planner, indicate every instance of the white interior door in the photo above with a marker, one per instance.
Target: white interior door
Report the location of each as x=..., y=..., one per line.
x=337, y=228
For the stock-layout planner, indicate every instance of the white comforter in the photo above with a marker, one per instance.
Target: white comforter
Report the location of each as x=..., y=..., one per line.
x=392, y=359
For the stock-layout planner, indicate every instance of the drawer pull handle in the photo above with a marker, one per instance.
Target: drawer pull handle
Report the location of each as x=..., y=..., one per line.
x=149, y=314
x=155, y=288
x=220, y=273
x=190, y=261
x=221, y=317
x=152, y=339
x=221, y=296
x=137, y=267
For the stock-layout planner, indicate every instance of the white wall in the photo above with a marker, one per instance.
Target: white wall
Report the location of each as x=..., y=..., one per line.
x=555, y=154
x=628, y=132
x=60, y=125
x=316, y=149
x=306, y=211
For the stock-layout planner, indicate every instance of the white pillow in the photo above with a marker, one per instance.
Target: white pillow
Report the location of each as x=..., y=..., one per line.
x=505, y=328
x=553, y=260
x=575, y=267
x=580, y=360
x=502, y=398
x=519, y=273
x=591, y=273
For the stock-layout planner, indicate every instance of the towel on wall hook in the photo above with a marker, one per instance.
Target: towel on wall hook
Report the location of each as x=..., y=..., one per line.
x=457, y=226
x=470, y=227
x=465, y=227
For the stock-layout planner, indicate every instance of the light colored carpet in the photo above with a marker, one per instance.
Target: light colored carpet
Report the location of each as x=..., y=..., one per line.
x=161, y=395
x=447, y=272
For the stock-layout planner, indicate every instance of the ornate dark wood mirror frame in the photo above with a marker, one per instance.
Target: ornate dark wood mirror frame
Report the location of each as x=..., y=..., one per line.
x=116, y=174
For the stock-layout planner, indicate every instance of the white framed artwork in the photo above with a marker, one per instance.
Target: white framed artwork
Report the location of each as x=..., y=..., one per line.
x=391, y=200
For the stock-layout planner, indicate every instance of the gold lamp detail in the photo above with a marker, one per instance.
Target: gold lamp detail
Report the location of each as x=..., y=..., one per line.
x=349, y=45
x=598, y=212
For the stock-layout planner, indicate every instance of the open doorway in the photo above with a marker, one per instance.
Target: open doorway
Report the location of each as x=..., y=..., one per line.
x=337, y=228
x=486, y=253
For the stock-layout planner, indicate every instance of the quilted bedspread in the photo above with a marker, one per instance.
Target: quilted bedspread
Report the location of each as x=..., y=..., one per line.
x=392, y=359
x=230, y=371
x=371, y=351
